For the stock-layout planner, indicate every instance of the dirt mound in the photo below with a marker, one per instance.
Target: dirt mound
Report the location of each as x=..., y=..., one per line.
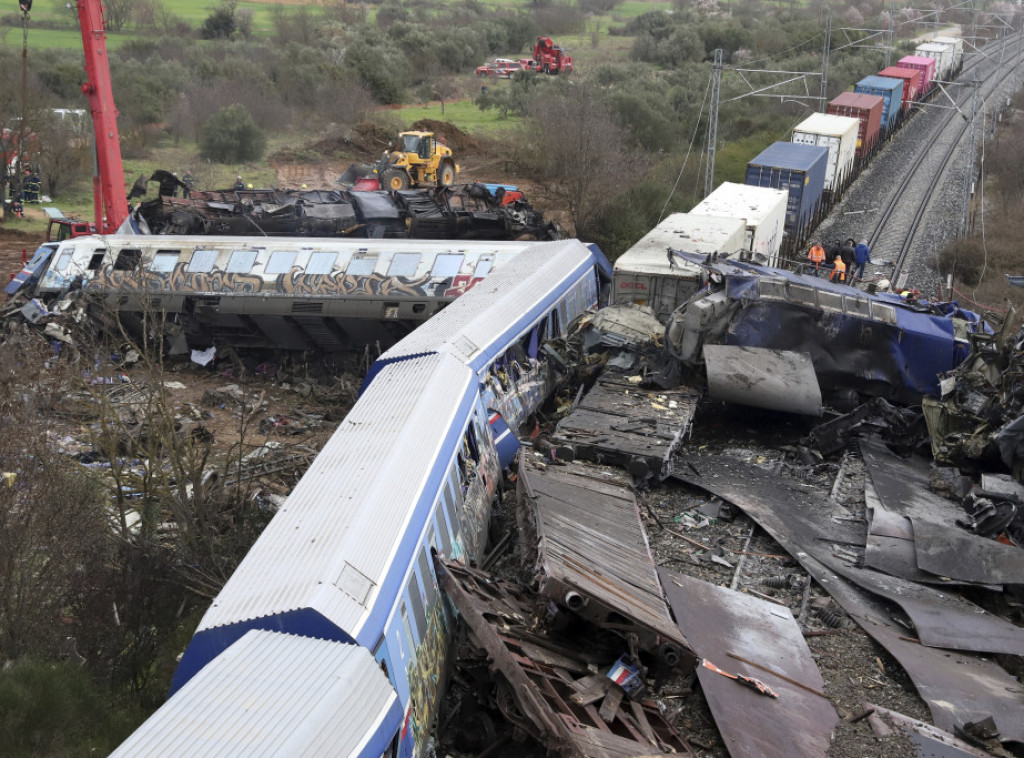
x=457, y=139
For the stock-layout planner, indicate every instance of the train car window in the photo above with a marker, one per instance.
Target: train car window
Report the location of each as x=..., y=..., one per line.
x=410, y=639
x=96, y=261
x=430, y=591
x=556, y=328
x=202, y=261
x=321, y=263
x=392, y=749
x=416, y=601
x=455, y=493
x=483, y=267
x=241, y=261
x=62, y=260
x=164, y=261
x=404, y=264
x=361, y=265
x=563, y=314
x=442, y=528
x=280, y=262
x=446, y=266
x=128, y=259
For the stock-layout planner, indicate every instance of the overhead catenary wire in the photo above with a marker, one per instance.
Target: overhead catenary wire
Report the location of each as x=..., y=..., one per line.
x=689, y=149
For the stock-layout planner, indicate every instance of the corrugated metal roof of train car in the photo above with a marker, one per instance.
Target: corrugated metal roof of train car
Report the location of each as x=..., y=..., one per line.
x=276, y=694
x=516, y=294
x=352, y=507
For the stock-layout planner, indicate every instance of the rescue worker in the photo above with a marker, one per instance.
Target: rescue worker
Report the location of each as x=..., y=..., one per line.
x=815, y=257
x=848, y=251
x=188, y=180
x=239, y=184
x=34, y=188
x=838, y=270
x=861, y=257
x=16, y=208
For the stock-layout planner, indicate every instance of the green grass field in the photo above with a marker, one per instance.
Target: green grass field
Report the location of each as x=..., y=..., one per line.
x=464, y=114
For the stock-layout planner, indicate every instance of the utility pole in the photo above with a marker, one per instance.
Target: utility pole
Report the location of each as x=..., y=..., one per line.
x=969, y=177
x=889, y=33
x=824, y=65
x=716, y=88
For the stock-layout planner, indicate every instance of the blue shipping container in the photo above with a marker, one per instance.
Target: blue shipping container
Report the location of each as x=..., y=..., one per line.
x=800, y=169
x=891, y=91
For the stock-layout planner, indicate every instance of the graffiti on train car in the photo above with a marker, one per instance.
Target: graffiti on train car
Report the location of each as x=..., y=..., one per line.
x=293, y=283
x=426, y=675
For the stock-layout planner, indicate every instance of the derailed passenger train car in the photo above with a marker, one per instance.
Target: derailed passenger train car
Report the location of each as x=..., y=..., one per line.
x=347, y=562
x=288, y=293
x=878, y=344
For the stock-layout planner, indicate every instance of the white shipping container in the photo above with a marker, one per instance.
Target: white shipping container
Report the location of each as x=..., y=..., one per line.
x=763, y=209
x=648, y=274
x=839, y=135
x=958, y=48
x=943, y=55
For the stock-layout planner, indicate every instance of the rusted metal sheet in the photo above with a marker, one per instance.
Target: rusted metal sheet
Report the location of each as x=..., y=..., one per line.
x=726, y=626
x=619, y=423
x=941, y=547
x=777, y=380
x=540, y=674
x=581, y=529
x=958, y=688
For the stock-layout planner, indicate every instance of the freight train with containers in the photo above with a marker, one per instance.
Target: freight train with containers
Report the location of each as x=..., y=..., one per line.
x=789, y=187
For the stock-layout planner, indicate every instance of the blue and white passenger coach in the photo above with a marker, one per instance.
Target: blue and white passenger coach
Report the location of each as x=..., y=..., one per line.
x=347, y=561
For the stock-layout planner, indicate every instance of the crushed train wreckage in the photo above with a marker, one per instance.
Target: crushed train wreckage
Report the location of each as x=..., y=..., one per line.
x=467, y=211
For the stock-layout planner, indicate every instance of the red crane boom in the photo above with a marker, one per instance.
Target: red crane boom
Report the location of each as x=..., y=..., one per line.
x=109, y=195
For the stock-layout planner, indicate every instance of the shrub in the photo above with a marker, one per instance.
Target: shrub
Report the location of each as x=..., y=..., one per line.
x=964, y=259
x=231, y=136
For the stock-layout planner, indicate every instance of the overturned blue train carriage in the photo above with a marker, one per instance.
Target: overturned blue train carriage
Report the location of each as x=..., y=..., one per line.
x=343, y=576
x=878, y=344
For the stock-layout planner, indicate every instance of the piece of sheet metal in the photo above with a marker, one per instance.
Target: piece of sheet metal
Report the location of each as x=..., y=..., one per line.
x=799, y=521
x=776, y=380
x=619, y=422
x=581, y=527
x=541, y=674
x=931, y=742
x=941, y=547
x=724, y=626
x=958, y=688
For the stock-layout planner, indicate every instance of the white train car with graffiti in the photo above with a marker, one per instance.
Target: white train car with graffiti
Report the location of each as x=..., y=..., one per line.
x=347, y=562
x=296, y=293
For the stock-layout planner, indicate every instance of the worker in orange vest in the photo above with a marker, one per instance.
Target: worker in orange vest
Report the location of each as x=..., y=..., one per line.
x=816, y=256
x=838, y=271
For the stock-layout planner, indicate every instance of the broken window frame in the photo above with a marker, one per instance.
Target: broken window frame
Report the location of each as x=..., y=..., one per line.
x=128, y=259
x=164, y=261
x=414, y=590
x=483, y=266
x=96, y=260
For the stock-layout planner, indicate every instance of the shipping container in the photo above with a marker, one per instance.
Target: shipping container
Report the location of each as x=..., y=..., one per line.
x=957, y=44
x=648, y=274
x=762, y=208
x=911, y=83
x=943, y=55
x=839, y=135
x=891, y=91
x=799, y=169
x=867, y=109
x=925, y=65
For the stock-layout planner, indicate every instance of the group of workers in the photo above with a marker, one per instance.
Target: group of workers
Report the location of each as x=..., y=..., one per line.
x=849, y=254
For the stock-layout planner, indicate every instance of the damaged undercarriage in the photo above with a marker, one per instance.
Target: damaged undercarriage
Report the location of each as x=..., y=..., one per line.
x=468, y=211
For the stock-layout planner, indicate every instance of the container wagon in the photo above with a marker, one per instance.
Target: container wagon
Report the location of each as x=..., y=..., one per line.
x=943, y=57
x=799, y=169
x=927, y=68
x=957, y=45
x=867, y=109
x=891, y=92
x=649, y=274
x=762, y=208
x=911, y=83
x=839, y=135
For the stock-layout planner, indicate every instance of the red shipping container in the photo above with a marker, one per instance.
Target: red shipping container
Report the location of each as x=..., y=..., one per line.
x=867, y=108
x=925, y=65
x=911, y=82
